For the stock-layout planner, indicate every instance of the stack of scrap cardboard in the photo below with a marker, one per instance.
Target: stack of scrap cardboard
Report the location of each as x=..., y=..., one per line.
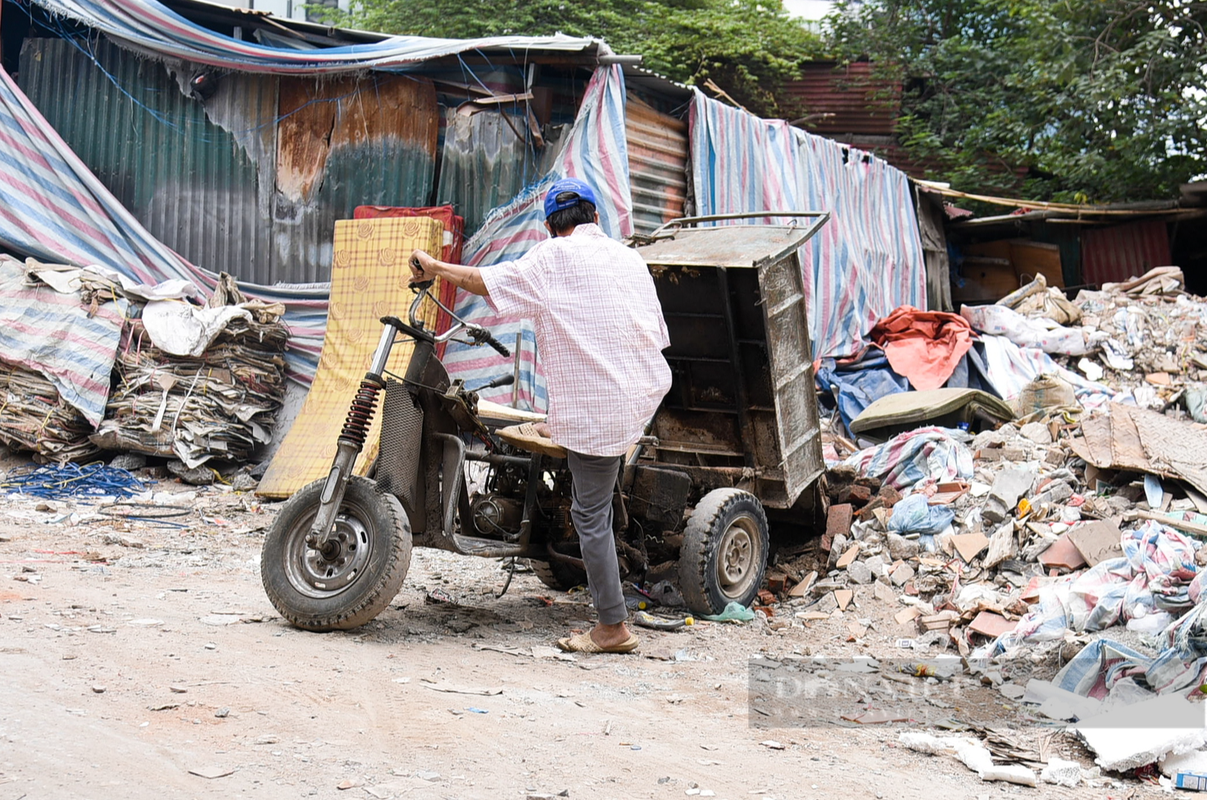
x=222, y=403
x=35, y=417
x=1141, y=440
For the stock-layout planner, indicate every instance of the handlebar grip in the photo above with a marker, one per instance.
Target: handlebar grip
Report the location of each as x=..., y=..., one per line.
x=498, y=346
x=482, y=336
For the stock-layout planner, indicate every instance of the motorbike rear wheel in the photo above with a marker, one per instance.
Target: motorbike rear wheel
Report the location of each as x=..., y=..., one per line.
x=357, y=579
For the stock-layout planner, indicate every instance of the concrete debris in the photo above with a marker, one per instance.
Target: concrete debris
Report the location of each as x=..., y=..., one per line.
x=1194, y=761
x=1072, y=536
x=1142, y=733
x=972, y=753
x=859, y=572
x=1061, y=772
x=1008, y=487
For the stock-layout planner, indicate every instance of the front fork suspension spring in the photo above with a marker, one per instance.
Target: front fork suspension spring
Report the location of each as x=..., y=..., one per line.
x=360, y=414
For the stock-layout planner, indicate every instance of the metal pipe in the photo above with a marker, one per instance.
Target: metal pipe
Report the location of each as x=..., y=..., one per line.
x=382, y=354
x=623, y=60
x=680, y=222
x=497, y=459
x=515, y=370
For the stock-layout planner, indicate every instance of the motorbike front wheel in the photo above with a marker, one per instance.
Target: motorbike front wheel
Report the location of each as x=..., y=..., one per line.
x=359, y=573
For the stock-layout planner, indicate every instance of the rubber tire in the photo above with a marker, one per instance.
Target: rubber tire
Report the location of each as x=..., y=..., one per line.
x=557, y=575
x=699, y=569
x=370, y=593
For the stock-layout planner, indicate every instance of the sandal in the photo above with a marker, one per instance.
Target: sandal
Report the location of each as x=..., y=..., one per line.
x=526, y=437
x=583, y=643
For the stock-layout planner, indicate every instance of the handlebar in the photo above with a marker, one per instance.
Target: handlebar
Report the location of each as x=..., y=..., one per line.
x=482, y=336
x=415, y=329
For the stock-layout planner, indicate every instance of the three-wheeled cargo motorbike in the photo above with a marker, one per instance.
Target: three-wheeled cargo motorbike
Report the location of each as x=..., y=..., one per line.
x=736, y=438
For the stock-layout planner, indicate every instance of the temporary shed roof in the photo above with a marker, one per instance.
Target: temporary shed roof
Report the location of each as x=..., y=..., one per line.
x=158, y=30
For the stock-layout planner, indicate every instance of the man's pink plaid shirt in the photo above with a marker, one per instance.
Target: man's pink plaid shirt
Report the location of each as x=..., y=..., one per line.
x=599, y=332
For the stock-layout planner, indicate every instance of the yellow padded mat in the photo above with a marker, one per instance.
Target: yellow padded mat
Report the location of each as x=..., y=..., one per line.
x=369, y=277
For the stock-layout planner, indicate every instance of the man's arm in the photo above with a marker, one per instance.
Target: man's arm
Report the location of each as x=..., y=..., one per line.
x=461, y=276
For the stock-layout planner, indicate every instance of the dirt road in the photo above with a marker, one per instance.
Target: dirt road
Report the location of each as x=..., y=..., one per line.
x=142, y=660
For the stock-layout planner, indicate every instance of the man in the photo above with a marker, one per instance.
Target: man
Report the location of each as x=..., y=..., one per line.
x=600, y=335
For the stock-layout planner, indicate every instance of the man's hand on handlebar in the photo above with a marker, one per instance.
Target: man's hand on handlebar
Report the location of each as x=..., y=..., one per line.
x=422, y=268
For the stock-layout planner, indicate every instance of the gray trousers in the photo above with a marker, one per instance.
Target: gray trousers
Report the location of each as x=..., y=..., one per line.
x=591, y=512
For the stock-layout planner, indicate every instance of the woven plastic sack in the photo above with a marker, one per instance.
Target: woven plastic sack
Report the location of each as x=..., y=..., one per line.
x=1043, y=393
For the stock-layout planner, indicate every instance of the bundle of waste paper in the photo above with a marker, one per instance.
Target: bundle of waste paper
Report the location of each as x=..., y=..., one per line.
x=34, y=417
x=187, y=382
x=196, y=384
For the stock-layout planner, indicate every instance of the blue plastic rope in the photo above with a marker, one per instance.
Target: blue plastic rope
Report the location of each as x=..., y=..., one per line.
x=72, y=480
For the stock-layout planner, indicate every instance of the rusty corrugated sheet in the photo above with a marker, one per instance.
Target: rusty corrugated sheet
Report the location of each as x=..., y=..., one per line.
x=657, y=146
x=1114, y=254
x=846, y=98
x=251, y=180
x=485, y=161
x=344, y=143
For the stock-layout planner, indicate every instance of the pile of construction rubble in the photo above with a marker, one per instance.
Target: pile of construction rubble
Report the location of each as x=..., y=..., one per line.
x=1074, y=530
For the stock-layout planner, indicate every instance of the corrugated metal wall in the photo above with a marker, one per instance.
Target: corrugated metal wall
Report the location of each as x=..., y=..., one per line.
x=224, y=183
x=1114, y=254
x=658, y=161
x=345, y=143
x=845, y=99
x=485, y=162
x=182, y=176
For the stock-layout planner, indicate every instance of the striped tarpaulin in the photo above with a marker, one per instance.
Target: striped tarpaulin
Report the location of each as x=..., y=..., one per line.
x=595, y=152
x=861, y=265
x=152, y=27
x=58, y=335
x=53, y=208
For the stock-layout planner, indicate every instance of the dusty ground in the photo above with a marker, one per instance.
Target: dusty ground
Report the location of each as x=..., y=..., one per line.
x=136, y=655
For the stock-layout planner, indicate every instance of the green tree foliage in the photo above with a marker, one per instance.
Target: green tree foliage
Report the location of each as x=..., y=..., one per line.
x=1096, y=100
x=746, y=47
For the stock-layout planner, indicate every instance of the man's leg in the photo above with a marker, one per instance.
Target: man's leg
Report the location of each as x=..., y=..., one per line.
x=591, y=511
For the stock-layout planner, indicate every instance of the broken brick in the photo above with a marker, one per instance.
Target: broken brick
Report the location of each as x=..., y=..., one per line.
x=838, y=522
x=876, y=504
x=889, y=495
x=1063, y=554
x=990, y=624
x=848, y=557
x=855, y=494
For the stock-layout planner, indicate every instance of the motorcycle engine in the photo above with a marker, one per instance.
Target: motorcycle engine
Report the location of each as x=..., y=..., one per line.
x=496, y=516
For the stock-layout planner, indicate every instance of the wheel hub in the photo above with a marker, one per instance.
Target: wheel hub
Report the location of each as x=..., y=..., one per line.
x=736, y=563
x=322, y=572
